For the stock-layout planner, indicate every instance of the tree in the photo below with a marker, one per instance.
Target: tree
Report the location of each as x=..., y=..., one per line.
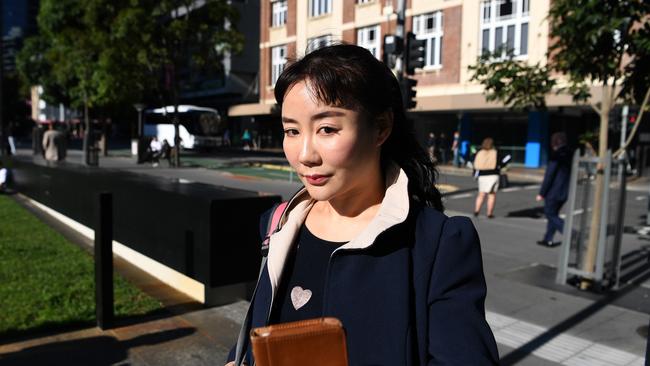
x=604, y=44
x=190, y=37
x=98, y=53
x=513, y=83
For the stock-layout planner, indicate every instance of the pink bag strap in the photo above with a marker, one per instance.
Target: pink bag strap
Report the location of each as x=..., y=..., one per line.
x=272, y=226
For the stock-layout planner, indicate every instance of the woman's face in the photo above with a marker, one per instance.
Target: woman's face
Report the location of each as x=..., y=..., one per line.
x=332, y=150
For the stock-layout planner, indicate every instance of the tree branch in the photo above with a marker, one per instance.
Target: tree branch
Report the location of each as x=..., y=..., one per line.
x=595, y=108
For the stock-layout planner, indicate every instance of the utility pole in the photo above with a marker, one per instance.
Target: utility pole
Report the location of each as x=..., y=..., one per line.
x=624, y=114
x=399, y=32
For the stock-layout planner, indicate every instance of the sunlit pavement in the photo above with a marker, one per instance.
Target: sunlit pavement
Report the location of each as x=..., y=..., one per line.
x=535, y=321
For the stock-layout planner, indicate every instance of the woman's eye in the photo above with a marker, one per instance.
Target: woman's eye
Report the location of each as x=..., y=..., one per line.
x=291, y=132
x=328, y=130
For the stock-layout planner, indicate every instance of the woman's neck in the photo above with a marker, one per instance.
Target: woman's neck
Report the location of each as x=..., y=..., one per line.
x=345, y=216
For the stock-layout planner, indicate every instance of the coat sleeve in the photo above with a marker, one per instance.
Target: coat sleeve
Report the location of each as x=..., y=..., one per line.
x=458, y=332
x=549, y=176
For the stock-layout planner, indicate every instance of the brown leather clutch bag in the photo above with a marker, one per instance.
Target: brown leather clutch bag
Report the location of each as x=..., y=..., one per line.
x=314, y=342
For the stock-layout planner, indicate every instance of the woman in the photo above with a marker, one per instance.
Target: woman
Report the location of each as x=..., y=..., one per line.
x=365, y=240
x=485, y=165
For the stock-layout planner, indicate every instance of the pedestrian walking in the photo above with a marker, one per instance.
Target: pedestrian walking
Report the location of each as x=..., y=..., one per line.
x=431, y=146
x=555, y=187
x=365, y=240
x=487, y=171
x=443, y=148
x=455, y=149
x=3, y=177
x=247, y=139
x=53, y=144
x=226, y=138
x=156, y=150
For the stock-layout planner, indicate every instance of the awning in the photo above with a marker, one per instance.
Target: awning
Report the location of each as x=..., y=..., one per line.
x=252, y=109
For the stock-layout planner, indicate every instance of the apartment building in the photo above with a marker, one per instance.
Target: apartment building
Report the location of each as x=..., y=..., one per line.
x=456, y=33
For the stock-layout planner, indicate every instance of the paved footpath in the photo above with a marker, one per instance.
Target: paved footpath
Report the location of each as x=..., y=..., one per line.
x=534, y=321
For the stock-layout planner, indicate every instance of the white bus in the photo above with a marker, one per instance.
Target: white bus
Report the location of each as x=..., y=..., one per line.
x=199, y=127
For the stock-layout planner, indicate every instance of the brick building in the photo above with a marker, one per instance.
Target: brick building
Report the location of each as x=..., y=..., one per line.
x=456, y=32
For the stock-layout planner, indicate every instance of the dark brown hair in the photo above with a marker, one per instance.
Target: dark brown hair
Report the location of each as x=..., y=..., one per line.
x=349, y=76
x=488, y=143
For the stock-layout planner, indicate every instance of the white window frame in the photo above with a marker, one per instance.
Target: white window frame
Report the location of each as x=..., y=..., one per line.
x=278, y=61
x=279, y=11
x=432, y=36
x=372, y=45
x=491, y=22
x=318, y=42
x=319, y=7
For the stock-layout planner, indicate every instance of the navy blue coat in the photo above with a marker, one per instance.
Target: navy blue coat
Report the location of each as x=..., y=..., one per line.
x=556, y=178
x=415, y=297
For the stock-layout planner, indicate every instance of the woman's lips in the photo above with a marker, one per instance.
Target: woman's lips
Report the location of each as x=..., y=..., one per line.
x=317, y=180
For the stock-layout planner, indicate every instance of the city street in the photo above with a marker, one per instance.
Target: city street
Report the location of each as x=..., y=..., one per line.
x=535, y=321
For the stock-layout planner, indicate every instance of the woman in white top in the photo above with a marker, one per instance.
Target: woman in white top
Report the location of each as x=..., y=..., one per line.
x=485, y=164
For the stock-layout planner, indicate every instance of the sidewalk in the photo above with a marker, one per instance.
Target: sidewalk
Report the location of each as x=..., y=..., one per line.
x=534, y=321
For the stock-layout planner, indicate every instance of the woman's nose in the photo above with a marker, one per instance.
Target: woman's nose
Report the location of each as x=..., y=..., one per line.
x=308, y=154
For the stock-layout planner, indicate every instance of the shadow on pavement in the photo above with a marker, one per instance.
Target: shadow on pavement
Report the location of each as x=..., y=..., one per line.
x=528, y=348
x=54, y=328
x=98, y=351
x=534, y=213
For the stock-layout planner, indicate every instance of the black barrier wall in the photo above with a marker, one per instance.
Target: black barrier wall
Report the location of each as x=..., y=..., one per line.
x=209, y=233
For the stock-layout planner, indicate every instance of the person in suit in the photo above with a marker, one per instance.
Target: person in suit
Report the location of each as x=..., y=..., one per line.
x=366, y=240
x=555, y=187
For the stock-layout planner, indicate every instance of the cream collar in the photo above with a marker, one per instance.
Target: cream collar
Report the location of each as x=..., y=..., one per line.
x=393, y=210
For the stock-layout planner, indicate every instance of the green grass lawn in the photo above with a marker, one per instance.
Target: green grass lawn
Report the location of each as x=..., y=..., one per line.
x=46, y=281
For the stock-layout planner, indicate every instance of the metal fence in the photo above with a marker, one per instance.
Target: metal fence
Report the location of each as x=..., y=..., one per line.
x=578, y=224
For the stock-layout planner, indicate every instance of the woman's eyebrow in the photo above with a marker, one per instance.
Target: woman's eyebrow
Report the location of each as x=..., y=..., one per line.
x=316, y=116
x=326, y=114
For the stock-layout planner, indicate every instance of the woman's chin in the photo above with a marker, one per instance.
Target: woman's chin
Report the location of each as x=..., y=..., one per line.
x=320, y=193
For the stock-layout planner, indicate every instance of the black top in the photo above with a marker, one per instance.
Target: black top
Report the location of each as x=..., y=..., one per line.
x=300, y=293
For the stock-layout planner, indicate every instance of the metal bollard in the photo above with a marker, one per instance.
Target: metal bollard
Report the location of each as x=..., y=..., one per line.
x=104, y=261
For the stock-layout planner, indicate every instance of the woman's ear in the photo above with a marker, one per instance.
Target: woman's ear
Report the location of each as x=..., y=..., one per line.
x=384, y=126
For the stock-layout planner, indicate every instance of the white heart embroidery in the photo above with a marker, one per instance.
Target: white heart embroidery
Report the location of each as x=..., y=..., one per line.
x=299, y=297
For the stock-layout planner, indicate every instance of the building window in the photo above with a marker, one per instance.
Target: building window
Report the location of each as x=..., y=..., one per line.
x=504, y=26
x=279, y=13
x=318, y=42
x=319, y=7
x=278, y=60
x=428, y=27
x=364, y=1
x=368, y=38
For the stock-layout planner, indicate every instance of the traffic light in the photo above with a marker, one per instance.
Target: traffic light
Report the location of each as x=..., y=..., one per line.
x=407, y=85
x=393, y=44
x=414, y=57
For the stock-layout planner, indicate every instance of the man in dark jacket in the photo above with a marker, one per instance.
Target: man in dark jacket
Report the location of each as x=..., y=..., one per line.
x=555, y=187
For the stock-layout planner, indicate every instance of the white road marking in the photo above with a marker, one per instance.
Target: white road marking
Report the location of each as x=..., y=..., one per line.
x=640, y=198
x=576, y=212
x=457, y=196
x=564, y=349
x=510, y=189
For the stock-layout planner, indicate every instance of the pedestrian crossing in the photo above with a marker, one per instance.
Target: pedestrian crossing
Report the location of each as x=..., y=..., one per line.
x=452, y=196
x=563, y=349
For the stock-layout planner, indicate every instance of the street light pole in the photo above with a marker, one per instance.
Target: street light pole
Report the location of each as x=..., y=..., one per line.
x=139, y=107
